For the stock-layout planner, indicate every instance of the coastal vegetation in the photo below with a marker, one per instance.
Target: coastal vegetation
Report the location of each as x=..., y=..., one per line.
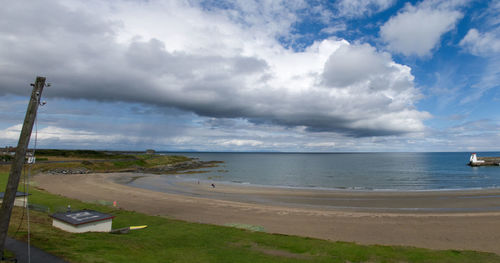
x=169, y=240
x=86, y=161
x=78, y=154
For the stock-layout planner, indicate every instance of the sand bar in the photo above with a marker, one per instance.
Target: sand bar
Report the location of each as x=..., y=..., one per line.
x=431, y=219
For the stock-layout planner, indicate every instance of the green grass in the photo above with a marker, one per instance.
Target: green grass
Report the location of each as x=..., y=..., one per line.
x=167, y=240
x=155, y=160
x=79, y=153
x=149, y=161
x=108, y=162
x=132, y=163
x=8, y=255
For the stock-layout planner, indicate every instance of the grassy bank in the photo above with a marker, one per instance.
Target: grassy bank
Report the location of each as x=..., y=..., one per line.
x=89, y=154
x=96, y=161
x=167, y=240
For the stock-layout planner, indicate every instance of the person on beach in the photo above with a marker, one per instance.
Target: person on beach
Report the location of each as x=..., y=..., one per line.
x=213, y=185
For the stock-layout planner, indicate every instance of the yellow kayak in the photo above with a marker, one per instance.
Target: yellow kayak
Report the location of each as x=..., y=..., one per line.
x=138, y=227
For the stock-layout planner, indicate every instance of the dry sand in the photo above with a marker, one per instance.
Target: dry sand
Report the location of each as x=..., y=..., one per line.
x=438, y=220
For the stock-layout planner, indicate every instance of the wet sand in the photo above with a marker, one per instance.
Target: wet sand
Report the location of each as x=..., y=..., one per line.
x=431, y=219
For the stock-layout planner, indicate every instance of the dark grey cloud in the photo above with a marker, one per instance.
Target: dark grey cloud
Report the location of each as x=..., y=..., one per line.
x=359, y=91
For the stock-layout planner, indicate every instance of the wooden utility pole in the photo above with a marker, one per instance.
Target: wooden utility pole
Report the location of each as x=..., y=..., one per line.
x=18, y=162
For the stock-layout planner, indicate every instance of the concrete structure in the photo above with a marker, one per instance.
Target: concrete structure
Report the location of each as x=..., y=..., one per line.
x=483, y=161
x=473, y=159
x=21, y=199
x=82, y=221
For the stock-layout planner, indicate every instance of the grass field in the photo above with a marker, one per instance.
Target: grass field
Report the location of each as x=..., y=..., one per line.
x=96, y=161
x=168, y=240
x=90, y=154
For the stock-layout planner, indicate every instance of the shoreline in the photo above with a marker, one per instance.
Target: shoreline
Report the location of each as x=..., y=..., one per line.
x=469, y=230
x=342, y=189
x=463, y=200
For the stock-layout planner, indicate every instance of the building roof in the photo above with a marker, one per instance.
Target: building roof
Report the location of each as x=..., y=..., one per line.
x=18, y=194
x=81, y=217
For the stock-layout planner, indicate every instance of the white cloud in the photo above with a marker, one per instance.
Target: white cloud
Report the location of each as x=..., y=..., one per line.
x=484, y=41
x=330, y=145
x=417, y=30
x=481, y=44
x=357, y=8
x=52, y=133
x=11, y=133
x=220, y=63
x=351, y=64
x=239, y=143
x=368, y=79
x=334, y=28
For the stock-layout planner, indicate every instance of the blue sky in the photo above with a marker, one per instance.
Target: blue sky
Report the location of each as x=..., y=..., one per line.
x=313, y=76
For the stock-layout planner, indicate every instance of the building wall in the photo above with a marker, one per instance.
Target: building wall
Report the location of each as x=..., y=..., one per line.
x=19, y=201
x=99, y=226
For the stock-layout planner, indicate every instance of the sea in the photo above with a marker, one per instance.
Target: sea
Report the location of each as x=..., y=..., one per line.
x=351, y=171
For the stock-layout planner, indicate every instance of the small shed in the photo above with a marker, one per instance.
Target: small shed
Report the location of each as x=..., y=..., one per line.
x=20, y=198
x=82, y=221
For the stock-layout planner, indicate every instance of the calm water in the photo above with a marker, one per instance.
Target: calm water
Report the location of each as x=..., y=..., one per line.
x=364, y=171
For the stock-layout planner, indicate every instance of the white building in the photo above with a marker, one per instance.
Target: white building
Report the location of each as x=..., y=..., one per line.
x=20, y=200
x=82, y=221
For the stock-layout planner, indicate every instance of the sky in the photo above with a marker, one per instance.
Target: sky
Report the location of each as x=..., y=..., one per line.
x=254, y=75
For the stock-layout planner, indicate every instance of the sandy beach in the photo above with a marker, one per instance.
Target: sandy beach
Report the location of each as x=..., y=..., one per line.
x=431, y=219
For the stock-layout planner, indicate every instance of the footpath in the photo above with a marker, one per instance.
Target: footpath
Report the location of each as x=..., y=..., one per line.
x=20, y=249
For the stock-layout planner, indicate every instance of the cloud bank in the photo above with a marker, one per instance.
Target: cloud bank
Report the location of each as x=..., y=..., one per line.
x=220, y=62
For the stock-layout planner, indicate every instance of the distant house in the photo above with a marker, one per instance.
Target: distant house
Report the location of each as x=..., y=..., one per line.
x=8, y=150
x=83, y=221
x=20, y=198
x=8, y=153
x=150, y=151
